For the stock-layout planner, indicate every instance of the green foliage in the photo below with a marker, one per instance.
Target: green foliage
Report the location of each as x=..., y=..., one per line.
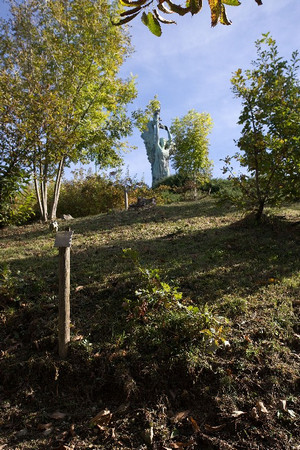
x=8, y=283
x=60, y=88
x=16, y=206
x=174, y=181
x=141, y=117
x=217, y=185
x=89, y=195
x=165, y=195
x=270, y=141
x=153, y=19
x=190, y=153
x=165, y=322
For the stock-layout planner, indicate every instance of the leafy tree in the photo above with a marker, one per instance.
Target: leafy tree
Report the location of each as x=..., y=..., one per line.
x=13, y=176
x=270, y=141
x=60, y=87
x=153, y=18
x=191, y=144
x=141, y=117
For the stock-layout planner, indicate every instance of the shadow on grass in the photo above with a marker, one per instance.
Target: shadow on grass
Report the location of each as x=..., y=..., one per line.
x=222, y=259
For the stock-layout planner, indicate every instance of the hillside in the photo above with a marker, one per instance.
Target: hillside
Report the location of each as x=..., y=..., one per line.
x=190, y=342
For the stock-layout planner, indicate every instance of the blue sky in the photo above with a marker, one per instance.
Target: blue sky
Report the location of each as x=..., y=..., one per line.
x=190, y=66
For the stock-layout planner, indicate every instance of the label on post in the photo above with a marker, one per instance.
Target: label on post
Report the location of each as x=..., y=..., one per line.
x=63, y=239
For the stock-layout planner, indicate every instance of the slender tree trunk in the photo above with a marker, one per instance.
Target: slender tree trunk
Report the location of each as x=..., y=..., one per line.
x=259, y=211
x=57, y=187
x=44, y=191
x=37, y=191
x=41, y=192
x=195, y=188
x=126, y=198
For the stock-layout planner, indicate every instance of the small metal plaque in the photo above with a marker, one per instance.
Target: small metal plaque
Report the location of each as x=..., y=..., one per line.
x=63, y=239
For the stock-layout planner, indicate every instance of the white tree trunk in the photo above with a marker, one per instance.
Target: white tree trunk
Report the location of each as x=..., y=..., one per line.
x=57, y=187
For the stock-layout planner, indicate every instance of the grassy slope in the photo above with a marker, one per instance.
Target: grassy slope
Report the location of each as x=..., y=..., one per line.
x=247, y=273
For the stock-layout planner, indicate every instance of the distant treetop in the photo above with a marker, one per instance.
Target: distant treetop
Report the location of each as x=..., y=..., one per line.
x=151, y=10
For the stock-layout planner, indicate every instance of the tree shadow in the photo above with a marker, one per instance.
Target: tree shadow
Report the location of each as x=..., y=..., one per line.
x=222, y=259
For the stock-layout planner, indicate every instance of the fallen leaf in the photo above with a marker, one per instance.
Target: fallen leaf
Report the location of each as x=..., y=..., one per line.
x=79, y=288
x=291, y=413
x=237, y=413
x=180, y=416
x=213, y=429
x=78, y=337
x=57, y=415
x=194, y=425
x=44, y=426
x=261, y=407
x=102, y=418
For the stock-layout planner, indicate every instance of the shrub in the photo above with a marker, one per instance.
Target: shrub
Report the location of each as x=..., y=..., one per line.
x=90, y=195
x=161, y=320
x=17, y=198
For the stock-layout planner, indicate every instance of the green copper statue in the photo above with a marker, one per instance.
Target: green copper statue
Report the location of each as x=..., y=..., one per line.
x=158, y=149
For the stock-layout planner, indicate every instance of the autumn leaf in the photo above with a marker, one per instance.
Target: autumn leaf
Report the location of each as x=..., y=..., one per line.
x=261, y=407
x=180, y=416
x=102, y=419
x=213, y=429
x=215, y=9
x=236, y=414
x=57, y=415
x=231, y=2
x=195, y=426
x=79, y=288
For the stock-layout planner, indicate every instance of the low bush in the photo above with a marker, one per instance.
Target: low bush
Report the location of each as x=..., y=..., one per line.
x=17, y=199
x=164, y=323
x=89, y=195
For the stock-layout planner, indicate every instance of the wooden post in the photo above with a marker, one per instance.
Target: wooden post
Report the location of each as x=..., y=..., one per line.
x=63, y=241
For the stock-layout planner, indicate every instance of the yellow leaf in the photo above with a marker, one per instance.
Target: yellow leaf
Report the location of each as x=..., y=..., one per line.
x=215, y=11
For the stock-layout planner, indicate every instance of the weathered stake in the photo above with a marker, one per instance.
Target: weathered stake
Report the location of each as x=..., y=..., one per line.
x=63, y=241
